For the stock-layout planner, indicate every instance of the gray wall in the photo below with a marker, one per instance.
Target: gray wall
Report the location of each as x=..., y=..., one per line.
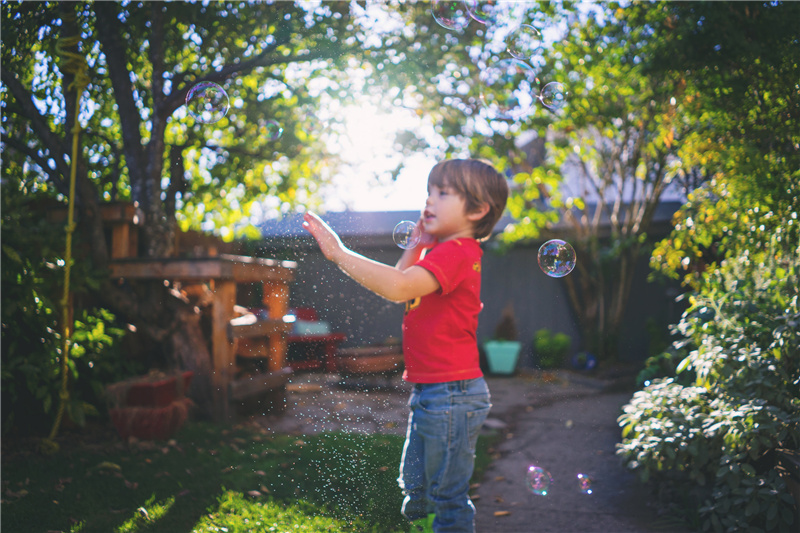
x=512, y=277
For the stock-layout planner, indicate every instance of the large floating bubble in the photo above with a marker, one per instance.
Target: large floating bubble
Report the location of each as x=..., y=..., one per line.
x=507, y=89
x=556, y=258
x=406, y=235
x=538, y=480
x=207, y=102
x=450, y=15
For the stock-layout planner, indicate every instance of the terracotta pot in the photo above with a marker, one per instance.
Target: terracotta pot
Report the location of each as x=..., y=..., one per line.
x=148, y=423
x=150, y=407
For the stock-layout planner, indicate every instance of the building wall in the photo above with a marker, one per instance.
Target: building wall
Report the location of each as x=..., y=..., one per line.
x=512, y=277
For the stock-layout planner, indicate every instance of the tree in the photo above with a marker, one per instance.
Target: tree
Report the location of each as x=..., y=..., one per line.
x=616, y=138
x=739, y=67
x=293, y=63
x=714, y=439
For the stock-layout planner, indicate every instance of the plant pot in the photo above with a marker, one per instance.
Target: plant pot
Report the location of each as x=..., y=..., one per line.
x=153, y=390
x=502, y=356
x=149, y=407
x=147, y=423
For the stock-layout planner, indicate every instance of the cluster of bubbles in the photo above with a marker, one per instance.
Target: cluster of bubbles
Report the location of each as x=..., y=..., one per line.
x=539, y=480
x=509, y=85
x=208, y=103
x=406, y=235
x=556, y=258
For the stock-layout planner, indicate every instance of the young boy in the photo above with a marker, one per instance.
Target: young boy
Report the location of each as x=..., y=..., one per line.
x=439, y=281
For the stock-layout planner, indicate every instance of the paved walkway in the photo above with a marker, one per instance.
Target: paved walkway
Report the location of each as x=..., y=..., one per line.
x=563, y=422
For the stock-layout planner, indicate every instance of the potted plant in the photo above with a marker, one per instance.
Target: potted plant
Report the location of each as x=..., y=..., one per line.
x=153, y=406
x=502, y=351
x=551, y=349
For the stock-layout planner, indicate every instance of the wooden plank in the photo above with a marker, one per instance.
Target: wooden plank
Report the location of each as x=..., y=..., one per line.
x=255, y=269
x=222, y=349
x=258, y=328
x=227, y=267
x=259, y=383
x=120, y=241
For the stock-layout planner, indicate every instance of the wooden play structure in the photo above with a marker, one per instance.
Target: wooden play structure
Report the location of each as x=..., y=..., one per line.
x=199, y=265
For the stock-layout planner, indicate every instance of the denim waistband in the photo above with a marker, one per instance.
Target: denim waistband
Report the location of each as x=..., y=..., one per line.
x=461, y=385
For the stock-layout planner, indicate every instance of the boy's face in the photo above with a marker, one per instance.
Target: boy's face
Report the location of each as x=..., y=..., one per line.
x=445, y=215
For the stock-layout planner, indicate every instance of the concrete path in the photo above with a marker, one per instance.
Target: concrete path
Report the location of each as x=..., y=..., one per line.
x=563, y=422
x=566, y=438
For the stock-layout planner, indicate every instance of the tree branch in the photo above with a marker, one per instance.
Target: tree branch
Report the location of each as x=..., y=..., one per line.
x=108, y=34
x=51, y=140
x=53, y=175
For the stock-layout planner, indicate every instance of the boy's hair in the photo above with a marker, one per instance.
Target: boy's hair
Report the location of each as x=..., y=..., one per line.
x=477, y=182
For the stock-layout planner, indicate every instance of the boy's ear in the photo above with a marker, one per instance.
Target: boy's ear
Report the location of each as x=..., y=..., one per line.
x=479, y=212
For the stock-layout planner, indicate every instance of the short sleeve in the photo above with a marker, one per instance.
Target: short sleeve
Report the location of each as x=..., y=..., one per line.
x=448, y=263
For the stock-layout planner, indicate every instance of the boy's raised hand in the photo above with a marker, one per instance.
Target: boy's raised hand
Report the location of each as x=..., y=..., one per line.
x=327, y=239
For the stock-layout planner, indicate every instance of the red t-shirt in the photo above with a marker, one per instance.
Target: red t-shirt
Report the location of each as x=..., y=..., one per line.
x=440, y=329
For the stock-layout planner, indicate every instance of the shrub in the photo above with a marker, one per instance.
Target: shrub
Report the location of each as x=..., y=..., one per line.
x=714, y=440
x=551, y=349
x=32, y=285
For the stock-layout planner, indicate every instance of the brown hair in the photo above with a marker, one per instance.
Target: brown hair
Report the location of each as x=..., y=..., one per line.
x=478, y=183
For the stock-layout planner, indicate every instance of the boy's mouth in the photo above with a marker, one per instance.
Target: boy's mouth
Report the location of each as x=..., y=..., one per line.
x=427, y=215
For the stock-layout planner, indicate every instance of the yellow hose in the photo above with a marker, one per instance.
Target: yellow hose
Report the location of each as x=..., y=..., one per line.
x=75, y=64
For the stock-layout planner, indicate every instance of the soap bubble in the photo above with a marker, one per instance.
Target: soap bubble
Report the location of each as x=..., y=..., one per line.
x=406, y=235
x=585, y=483
x=507, y=88
x=556, y=258
x=554, y=96
x=273, y=129
x=485, y=12
x=450, y=15
x=539, y=480
x=207, y=102
x=524, y=42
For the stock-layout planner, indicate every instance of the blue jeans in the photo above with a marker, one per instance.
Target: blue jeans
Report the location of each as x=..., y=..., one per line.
x=439, y=452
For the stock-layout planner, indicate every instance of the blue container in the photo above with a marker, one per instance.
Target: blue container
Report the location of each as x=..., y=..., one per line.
x=502, y=356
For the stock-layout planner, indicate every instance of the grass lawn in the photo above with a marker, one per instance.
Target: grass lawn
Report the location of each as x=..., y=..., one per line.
x=211, y=479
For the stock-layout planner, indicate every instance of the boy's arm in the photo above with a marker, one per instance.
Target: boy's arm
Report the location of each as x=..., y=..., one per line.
x=392, y=283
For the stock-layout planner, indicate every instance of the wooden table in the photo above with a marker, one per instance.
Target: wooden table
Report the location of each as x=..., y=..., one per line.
x=223, y=273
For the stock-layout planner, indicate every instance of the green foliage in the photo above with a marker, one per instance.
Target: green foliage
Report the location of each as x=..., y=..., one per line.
x=716, y=439
x=32, y=287
x=737, y=68
x=551, y=349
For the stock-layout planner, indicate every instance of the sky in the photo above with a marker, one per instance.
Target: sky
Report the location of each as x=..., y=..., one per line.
x=368, y=147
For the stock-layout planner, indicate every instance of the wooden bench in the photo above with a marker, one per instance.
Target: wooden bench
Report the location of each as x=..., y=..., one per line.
x=327, y=343
x=362, y=360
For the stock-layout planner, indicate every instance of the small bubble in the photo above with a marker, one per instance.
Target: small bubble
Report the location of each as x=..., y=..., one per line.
x=207, y=102
x=450, y=15
x=538, y=480
x=273, y=130
x=554, y=96
x=585, y=483
x=406, y=235
x=556, y=258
